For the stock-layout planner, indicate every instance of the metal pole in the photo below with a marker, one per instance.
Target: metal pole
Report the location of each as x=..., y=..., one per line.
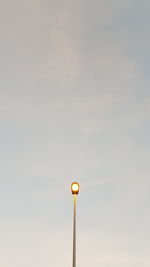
x=74, y=232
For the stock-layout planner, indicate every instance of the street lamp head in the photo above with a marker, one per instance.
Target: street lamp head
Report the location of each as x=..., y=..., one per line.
x=75, y=188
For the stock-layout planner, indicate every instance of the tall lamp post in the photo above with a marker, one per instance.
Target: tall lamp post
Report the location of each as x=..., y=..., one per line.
x=75, y=190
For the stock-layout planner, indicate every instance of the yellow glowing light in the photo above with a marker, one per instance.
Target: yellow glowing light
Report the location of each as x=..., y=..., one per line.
x=75, y=188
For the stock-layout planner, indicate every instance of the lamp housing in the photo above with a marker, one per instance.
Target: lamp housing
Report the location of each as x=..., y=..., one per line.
x=75, y=187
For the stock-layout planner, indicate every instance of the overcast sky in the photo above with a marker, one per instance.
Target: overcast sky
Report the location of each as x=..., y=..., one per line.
x=74, y=105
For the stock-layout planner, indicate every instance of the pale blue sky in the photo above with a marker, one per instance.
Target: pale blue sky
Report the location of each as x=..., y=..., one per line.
x=74, y=102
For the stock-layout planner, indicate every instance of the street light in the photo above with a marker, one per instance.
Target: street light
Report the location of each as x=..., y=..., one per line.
x=75, y=187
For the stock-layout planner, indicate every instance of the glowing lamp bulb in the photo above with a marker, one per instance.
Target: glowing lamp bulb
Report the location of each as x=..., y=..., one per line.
x=75, y=188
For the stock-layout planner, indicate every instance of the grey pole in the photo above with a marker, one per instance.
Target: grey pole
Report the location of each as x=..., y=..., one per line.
x=74, y=232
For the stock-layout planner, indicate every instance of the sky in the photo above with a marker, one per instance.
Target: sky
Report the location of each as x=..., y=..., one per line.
x=74, y=106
